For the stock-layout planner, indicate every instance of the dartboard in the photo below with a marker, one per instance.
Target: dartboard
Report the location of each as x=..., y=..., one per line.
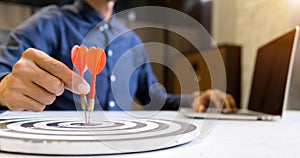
x=69, y=135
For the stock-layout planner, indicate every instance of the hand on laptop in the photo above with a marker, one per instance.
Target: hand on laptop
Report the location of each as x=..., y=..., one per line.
x=222, y=101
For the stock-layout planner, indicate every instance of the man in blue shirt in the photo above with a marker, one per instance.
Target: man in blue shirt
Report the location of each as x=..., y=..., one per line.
x=35, y=63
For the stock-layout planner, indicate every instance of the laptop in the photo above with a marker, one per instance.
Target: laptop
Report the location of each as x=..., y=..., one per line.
x=270, y=82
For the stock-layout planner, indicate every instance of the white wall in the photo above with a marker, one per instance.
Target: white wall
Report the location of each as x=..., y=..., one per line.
x=250, y=24
x=294, y=13
x=11, y=15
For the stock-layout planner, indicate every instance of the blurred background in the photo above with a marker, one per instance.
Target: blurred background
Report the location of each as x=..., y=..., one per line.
x=239, y=27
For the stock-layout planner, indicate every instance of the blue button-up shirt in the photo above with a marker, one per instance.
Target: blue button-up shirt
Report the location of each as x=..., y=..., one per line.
x=127, y=74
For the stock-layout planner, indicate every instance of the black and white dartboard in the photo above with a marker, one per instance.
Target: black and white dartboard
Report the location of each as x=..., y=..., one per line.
x=68, y=135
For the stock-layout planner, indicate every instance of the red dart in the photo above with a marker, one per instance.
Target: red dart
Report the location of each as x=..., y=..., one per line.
x=96, y=60
x=78, y=56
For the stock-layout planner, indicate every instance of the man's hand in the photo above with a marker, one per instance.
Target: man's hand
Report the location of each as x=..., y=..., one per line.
x=216, y=97
x=36, y=80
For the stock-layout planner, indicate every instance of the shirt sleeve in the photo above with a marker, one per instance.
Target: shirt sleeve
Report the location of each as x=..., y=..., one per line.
x=31, y=34
x=10, y=53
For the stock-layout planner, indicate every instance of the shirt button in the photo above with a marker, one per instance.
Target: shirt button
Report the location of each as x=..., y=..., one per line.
x=101, y=28
x=113, y=78
x=105, y=26
x=110, y=53
x=112, y=104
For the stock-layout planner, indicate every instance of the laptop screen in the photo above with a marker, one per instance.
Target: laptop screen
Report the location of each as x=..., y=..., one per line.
x=270, y=75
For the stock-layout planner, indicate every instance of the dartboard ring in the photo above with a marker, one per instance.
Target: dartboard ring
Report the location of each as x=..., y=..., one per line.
x=69, y=136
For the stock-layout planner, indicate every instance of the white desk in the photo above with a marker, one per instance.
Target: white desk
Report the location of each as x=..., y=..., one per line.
x=230, y=139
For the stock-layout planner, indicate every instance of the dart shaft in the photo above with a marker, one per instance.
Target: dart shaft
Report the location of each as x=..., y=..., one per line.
x=84, y=105
x=90, y=108
x=81, y=73
x=91, y=105
x=93, y=86
x=91, y=102
x=83, y=102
